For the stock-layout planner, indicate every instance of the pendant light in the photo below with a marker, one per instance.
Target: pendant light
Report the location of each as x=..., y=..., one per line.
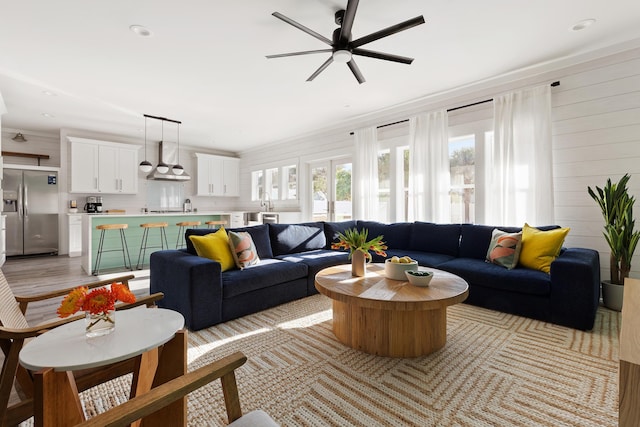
x=145, y=165
x=177, y=168
x=162, y=166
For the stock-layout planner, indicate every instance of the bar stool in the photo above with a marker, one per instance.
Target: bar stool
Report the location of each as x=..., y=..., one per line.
x=123, y=241
x=182, y=225
x=164, y=244
x=215, y=224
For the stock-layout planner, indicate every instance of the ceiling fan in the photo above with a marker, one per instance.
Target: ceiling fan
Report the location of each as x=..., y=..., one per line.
x=343, y=48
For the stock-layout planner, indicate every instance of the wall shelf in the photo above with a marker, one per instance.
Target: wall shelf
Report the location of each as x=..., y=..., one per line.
x=29, y=155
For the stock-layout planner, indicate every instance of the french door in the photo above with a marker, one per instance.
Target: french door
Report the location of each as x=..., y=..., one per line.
x=331, y=190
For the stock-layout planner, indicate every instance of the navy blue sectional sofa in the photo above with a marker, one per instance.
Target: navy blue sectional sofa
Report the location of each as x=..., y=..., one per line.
x=292, y=254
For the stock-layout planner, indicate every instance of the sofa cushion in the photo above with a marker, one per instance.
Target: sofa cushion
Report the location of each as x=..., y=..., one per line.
x=540, y=248
x=480, y=273
x=294, y=238
x=214, y=246
x=268, y=272
x=504, y=249
x=243, y=249
x=259, y=235
x=331, y=229
x=396, y=236
x=435, y=238
x=475, y=239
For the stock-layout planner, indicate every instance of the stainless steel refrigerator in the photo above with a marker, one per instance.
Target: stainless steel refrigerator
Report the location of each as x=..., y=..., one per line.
x=30, y=202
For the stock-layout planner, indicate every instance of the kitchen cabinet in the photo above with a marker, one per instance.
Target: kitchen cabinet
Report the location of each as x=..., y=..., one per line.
x=75, y=235
x=217, y=176
x=103, y=167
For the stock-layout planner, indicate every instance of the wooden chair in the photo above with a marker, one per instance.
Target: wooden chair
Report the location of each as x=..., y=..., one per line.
x=629, y=373
x=14, y=330
x=161, y=396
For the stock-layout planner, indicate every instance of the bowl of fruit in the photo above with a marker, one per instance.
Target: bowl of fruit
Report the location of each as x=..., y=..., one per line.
x=395, y=267
x=419, y=278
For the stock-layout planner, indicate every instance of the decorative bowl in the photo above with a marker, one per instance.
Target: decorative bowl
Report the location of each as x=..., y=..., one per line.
x=419, y=278
x=395, y=270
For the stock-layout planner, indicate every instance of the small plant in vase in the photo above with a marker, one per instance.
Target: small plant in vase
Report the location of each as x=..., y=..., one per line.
x=360, y=247
x=98, y=305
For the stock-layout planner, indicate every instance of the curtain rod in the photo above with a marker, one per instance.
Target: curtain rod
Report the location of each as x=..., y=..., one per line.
x=554, y=84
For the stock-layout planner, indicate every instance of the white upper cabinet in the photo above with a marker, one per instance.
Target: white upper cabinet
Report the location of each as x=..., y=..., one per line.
x=217, y=176
x=103, y=167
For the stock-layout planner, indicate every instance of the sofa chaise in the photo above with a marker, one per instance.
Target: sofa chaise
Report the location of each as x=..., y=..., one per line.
x=291, y=255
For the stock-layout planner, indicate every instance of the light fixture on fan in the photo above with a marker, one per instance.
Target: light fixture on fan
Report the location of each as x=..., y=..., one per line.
x=145, y=165
x=19, y=138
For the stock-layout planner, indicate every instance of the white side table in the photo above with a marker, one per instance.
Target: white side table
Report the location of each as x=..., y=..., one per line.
x=139, y=333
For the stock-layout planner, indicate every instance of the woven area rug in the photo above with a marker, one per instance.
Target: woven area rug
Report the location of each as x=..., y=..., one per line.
x=496, y=370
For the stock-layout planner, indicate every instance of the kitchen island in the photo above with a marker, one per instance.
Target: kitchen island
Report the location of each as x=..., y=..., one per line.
x=114, y=260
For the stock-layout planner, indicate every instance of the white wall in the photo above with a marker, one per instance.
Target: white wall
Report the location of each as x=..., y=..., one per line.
x=596, y=131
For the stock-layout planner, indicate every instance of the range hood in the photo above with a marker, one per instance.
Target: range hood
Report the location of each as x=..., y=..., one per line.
x=169, y=175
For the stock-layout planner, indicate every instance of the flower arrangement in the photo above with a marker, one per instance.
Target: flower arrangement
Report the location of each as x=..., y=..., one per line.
x=99, y=302
x=355, y=240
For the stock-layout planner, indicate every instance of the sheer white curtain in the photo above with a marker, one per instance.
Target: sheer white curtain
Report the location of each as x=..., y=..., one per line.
x=429, y=175
x=519, y=169
x=365, y=174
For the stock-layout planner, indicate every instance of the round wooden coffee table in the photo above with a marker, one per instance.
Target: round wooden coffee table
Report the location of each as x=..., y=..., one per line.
x=390, y=317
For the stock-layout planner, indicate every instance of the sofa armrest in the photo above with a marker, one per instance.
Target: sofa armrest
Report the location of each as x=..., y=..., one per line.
x=575, y=288
x=192, y=285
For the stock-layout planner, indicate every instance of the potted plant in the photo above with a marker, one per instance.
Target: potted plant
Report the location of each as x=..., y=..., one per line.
x=617, y=209
x=359, y=246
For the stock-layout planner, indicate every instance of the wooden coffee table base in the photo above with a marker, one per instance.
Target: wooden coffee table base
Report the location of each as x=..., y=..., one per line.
x=390, y=333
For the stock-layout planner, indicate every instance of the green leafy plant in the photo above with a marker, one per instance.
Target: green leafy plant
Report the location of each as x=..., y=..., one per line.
x=617, y=209
x=355, y=240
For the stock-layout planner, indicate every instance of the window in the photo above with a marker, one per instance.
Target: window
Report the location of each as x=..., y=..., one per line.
x=290, y=176
x=257, y=185
x=384, y=185
x=277, y=183
x=462, y=168
x=272, y=184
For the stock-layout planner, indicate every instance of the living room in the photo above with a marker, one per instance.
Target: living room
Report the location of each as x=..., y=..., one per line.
x=595, y=128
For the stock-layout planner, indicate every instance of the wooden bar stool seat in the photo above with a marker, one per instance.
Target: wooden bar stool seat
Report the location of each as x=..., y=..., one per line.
x=180, y=242
x=216, y=223
x=123, y=241
x=164, y=244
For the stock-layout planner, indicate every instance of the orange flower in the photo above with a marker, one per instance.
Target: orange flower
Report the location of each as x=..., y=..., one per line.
x=72, y=302
x=99, y=300
x=122, y=293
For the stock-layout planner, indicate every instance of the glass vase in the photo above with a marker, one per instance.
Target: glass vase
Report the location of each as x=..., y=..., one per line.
x=358, y=264
x=99, y=324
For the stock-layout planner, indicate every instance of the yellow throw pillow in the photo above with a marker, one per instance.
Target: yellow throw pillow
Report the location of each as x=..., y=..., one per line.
x=215, y=246
x=540, y=248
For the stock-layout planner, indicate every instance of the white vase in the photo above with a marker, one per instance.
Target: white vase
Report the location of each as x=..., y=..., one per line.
x=99, y=324
x=358, y=264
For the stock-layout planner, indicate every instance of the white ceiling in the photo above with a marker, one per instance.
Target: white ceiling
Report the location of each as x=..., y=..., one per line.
x=205, y=63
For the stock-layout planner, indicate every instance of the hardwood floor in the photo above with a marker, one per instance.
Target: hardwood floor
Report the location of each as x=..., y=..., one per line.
x=40, y=274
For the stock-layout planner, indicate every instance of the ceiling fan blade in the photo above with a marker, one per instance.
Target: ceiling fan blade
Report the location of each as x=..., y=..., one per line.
x=388, y=31
x=381, y=55
x=306, y=52
x=321, y=69
x=347, y=22
x=356, y=71
x=302, y=27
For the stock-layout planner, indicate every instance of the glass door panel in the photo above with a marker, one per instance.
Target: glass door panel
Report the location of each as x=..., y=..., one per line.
x=331, y=190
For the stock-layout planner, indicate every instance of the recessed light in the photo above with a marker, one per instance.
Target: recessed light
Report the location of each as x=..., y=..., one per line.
x=50, y=116
x=48, y=93
x=140, y=30
x=581, y=25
